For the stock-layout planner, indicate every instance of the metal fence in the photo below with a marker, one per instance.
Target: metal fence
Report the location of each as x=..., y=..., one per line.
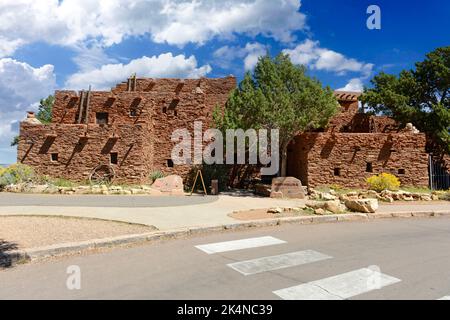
x=439, y=175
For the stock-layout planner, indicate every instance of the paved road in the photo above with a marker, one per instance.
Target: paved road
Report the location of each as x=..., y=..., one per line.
x=408, y=259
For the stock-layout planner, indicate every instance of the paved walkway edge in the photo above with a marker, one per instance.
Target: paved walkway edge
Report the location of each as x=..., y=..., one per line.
x=20, y=256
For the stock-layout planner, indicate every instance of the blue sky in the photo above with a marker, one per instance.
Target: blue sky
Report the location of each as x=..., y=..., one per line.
x=50, y=44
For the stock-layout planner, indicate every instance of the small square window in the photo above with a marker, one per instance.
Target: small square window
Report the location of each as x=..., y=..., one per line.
x=401, y=171
x=164, y=110
x=369, y=167
x=337, y=172
x=133, y=113
x=114, y=158
x=54, y=157
x=169, y=163
x=102, y=117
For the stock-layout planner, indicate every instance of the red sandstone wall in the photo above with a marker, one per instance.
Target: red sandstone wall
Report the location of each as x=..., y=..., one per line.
x=315, y=156
x=161, y=105
x=78, y=156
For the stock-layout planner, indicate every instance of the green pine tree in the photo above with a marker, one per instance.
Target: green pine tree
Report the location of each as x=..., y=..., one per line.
x=420, y=96
x=278, y=95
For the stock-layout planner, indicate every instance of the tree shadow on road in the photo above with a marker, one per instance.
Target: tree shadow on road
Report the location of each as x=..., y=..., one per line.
x=7, y=255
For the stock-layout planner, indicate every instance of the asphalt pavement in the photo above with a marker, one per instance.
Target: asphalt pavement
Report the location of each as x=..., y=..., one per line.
x=381, y=259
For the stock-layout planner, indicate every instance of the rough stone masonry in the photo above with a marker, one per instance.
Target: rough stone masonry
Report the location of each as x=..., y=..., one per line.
x=129, y=129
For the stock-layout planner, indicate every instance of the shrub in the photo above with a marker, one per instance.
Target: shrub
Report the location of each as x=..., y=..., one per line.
x=336, y=187
x=383, y=181
x=16, y=173
x=156, y=175
x=61, y=182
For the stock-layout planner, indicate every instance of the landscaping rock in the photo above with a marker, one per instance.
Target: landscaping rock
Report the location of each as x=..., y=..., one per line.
x=387, y=199
x=320, y=212
x=426, y=198
x=51, y=189
x=137, y=191
x=334, y=206
x=275, y=210
x=315, y=204
x=362, y=205
x=37, y=188
x=327, y=197
x=171, y=184
x=289, y=187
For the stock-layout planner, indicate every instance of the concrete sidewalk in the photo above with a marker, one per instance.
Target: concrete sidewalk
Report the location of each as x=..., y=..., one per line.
x=210, y=212
x=163, y=218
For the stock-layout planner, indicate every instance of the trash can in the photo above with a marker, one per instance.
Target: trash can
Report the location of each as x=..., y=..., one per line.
x=214, y=187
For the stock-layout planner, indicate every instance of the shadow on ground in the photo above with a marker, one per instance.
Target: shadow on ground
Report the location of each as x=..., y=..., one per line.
x=6, y=259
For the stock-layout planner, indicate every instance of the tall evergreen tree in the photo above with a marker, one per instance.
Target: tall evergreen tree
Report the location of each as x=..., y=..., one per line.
x=420, y=96
x=279, y=95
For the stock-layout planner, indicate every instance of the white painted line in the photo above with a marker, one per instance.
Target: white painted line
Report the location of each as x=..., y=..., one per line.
x=239, y=244
x=445, y=298
x=338, y=287
x=277, y=262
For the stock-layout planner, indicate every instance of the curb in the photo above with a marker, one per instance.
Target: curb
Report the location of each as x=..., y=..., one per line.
x=20, y=256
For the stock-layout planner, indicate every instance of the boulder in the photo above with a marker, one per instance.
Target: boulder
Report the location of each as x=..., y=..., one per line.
x=51, y=189
x=327, y=196
x=289, y=187
x=315, y=204
x=37, y=188
x=275, y=210
x=320, y=212
x=334, y=206
x=362, y=205
x=387, y=199
x=172, y=184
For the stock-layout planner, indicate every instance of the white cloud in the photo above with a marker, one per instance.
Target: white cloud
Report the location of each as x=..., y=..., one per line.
x=254, y=52
x=177, y=22
x=21, y=87
x=310, y=53
x=225, y=55
x=354, y=85
x=162, y=66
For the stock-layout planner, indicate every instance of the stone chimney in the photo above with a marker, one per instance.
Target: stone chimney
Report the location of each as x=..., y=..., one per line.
x=31, y=118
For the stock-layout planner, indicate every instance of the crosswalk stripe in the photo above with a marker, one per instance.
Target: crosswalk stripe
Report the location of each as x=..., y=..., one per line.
x=282, y=261
x=239, y=244
x=445, y=298
x=338, y=287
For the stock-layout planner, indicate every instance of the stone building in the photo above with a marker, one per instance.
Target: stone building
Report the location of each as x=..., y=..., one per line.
x=128, y=130
x=356, y=146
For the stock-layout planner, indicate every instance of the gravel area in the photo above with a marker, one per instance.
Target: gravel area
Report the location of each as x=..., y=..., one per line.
x=19, y=232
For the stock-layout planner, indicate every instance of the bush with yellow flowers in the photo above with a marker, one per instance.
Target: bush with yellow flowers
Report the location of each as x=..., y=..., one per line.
x=383, y=181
